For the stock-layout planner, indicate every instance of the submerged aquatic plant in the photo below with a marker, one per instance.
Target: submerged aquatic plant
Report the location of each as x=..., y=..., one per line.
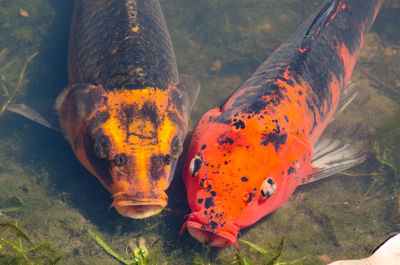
x=387, y=147
x=35, y=254
x=139, y=255
x=11, y=96
x=269, y=257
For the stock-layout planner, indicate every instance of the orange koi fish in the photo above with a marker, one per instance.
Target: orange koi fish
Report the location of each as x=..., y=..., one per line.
x=247, y=158
x=125, y=111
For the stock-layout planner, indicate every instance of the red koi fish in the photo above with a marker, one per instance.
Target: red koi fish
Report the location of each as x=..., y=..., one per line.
x=247, y=158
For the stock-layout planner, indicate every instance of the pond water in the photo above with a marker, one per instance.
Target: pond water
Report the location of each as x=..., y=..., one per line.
x=219, y=42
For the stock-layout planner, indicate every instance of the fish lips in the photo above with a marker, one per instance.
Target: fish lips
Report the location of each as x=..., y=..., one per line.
x=220, y=236
x=138, y=208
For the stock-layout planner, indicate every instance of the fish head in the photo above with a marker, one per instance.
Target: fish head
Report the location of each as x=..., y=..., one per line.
x=234, y=177
x=130, y=140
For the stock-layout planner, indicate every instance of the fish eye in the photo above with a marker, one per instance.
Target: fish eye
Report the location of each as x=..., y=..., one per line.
x=195, y=165
x=176, y=147
x=101, y=147
x=120, y=159
x=268, y=188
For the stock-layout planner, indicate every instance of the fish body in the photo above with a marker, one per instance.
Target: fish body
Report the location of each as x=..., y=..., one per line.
x=125, y=111
x=247, y=158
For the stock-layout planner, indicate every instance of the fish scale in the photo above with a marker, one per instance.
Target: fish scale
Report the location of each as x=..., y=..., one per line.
x=105, y=49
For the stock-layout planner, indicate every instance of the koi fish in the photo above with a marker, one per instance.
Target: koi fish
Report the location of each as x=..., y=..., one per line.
x=125, y=111
x=247, y=158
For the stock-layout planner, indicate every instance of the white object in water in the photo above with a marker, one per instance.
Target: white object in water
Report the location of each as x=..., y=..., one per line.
x=387, y=254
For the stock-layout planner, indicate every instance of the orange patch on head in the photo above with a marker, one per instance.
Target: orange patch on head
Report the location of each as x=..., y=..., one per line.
x=137, y=133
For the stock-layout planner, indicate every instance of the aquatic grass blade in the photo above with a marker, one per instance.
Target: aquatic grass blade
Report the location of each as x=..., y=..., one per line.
x=242, y=260
x=18, y=231
x=107, y=248
x=259, y=249
x=279, y=249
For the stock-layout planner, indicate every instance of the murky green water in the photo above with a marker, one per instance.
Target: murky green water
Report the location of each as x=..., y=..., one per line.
x=220, y=42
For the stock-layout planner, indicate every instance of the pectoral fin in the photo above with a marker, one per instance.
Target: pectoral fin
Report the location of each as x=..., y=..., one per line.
x=331, y=157
x=192, y=87
x=40, y=113
x=349, y=93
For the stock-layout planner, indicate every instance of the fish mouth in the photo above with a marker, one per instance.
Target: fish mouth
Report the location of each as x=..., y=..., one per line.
x=215, y=237
x=138, y=208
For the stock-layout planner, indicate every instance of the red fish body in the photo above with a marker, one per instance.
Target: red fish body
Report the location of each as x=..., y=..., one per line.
x=247, y=158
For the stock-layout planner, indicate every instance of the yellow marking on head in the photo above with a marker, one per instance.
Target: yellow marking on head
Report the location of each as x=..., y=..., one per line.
x=140, y=137
x=135, y=28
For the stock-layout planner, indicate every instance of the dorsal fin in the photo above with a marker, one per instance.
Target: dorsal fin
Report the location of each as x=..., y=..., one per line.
x=319, y=21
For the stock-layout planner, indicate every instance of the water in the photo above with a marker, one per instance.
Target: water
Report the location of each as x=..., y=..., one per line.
x=220, y=43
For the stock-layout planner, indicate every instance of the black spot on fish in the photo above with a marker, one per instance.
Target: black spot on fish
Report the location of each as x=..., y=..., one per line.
x=300, y=92
x=257, y=106
x=157, y=166
x=167, y=159
x=209, y=202
x=276, y=139
x=251, y=195
x=176, y=147
x=225, y=140
x=213, y=225
x=203, y=147
x=291, y=170
x=200, y=201
x=149, y=109
x=277, y=129
x=174, y=118
x=244, y=179
x=120, y=159
x=240, y=124
x=213, y=193
x=126, y=113
x=286, y=118
x=202, y=183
